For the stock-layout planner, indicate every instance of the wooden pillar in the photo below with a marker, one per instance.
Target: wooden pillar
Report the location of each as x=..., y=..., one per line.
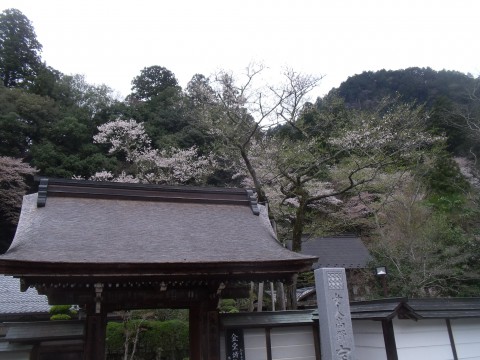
x=213, y=331
x=95, y=335
x=452, y=339
x=389, y=339
x=204, y=331
x=195, y=332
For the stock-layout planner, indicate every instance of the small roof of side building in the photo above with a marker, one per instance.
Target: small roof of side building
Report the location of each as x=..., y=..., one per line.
x=403, y=308
x=84, y=228
x=13, y=302
x=345, y=251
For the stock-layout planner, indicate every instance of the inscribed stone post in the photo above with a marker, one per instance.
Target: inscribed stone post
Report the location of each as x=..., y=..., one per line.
x=336, y=335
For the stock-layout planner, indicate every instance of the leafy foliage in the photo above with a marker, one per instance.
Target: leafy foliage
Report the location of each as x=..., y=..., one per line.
x=151, y=82
x=168, y=339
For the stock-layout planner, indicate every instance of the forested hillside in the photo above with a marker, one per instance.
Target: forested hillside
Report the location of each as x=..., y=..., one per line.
x=451, y=97
x=390, y=156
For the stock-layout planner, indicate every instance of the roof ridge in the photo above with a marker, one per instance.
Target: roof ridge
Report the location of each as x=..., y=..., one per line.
x=150, y=192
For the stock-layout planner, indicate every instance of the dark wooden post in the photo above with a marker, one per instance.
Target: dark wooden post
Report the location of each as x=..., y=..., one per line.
x=195, y=332
x=213, y=323
x=389, y=339
x=204, y=331
x=95, y=327
x=95, y=334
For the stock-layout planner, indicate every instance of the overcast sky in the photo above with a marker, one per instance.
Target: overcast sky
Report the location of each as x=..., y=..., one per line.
x=111, y=41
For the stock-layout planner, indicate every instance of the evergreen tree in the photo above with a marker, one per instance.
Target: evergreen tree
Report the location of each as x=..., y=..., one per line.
x=19, y=49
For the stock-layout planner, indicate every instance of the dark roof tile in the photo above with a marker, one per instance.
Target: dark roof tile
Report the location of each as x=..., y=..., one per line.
x=347, y=252
x=128, y=226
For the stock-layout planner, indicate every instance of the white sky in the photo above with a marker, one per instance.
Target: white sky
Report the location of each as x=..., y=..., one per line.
x=111, y=41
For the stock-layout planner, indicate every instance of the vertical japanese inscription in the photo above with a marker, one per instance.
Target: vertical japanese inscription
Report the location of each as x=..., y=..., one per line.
x=234, y=344
x=334, y=313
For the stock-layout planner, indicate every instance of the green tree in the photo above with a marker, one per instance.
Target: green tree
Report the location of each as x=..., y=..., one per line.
x=25, y=119
x=158, y=102
x=310, y=163
x=142, y=336
x=430, y=250
x=19, y=49
x=152, y=81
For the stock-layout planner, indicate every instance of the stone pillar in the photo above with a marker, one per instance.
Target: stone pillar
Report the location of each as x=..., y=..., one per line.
x=335, y=322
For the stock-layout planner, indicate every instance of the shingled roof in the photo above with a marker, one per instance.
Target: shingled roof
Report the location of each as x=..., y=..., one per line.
x=346, y=251
x=72, y=227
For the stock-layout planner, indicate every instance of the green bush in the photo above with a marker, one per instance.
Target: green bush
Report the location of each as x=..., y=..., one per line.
x=228, y=306
x=115, y=337
x=62, y=312
x=60, y=317
x=60, y=309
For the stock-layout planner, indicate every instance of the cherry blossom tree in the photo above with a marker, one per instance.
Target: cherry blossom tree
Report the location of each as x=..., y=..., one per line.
x=248, y=106
x=302, y=159
x=13, y=185
x=129, y=141
x=305, y=175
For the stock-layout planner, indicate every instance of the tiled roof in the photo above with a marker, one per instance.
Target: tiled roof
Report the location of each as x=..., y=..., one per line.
x=145, y=225
x=347, y=252
x=434, y=308
x=13, y=301
x=45, y=331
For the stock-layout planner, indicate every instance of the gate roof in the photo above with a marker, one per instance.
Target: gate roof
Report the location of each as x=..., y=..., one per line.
x=84, y=228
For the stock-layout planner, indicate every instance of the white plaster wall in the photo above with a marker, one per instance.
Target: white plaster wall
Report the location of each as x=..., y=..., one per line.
x=293, y=343
x=423, y=339
x=466, y=333
x=368, y=338
x=255, y=344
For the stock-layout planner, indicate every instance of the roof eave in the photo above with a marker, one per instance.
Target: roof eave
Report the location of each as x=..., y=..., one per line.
x=232, y=270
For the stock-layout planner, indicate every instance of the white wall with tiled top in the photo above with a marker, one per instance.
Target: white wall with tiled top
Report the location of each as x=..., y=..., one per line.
x=466, y=333
x=368, y=338
x=423, y=339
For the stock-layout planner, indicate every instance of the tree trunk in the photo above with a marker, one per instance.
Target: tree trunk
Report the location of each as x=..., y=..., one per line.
x=292, y=294
x=260, y=297
x=281, y=296
x=297, y=247
x=298, y=225
x=251, y=298
x=262, y=197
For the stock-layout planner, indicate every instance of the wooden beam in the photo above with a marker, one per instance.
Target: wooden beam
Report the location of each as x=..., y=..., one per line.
x=452, y=339
x=389, y=339
x=268, y=343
